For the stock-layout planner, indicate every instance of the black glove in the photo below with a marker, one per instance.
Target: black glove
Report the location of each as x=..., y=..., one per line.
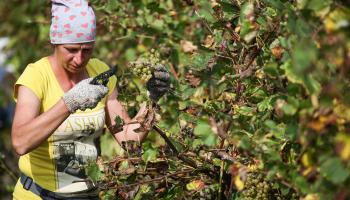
x=159, y=84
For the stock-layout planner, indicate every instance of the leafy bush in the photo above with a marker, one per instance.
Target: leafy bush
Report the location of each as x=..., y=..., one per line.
x=259, y=89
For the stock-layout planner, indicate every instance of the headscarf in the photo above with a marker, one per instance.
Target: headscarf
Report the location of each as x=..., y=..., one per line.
x=73, y=21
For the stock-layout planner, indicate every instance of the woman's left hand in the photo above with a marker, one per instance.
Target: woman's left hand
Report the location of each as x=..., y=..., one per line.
x=138, y=128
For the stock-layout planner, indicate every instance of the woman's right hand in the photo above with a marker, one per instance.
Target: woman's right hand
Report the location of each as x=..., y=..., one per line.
x=84, y=95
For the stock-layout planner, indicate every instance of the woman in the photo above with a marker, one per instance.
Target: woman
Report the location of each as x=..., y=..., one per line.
x=59, y=113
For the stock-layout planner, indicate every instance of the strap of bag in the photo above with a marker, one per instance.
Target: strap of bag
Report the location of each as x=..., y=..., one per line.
x=29, y=184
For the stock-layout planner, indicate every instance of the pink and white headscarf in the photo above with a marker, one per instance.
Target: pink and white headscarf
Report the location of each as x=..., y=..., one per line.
x=73, y=21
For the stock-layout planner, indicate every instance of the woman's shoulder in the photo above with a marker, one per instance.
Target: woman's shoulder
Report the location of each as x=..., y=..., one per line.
x=37, y=68
x=39, y=65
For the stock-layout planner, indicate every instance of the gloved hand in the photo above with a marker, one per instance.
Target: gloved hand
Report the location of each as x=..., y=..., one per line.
x=84, y=95
x=159, y=84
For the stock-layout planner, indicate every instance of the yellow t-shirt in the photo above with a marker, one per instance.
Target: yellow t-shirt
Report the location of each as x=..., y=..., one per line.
x=57, y=164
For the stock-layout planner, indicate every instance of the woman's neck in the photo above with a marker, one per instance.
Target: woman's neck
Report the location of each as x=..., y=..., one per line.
x=65, y=78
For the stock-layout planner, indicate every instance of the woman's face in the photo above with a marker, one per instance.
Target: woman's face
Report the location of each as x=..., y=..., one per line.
x=74, y=57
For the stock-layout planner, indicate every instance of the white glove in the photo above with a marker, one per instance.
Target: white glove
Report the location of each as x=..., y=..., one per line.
x=84, y=95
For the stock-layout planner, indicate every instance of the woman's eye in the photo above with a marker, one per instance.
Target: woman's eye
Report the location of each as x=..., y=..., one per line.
x=70, y=50
x=87, y=50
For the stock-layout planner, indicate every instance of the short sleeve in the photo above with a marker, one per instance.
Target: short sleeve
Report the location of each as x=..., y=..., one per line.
x=32, y=79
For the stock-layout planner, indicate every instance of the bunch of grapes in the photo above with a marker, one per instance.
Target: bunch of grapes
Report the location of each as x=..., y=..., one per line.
x=256, y=187
x=144, y=65
x=142, y=69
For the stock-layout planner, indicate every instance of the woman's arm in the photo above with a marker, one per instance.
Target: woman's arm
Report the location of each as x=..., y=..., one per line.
x=30, y=128
x=115, y=108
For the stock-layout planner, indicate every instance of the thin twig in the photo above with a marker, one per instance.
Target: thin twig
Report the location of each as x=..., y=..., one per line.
x=219, y=129
x=167, y=140
x=173, y=71
x=220, y=179
x=155, y=179
x=185, y=159
x=224, y=156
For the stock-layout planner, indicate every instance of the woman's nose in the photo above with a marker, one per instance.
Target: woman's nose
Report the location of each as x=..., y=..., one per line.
x=79, y=58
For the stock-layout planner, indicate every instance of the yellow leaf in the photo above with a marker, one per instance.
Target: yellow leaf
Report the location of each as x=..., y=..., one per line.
x=307, y=171
x=339, y=18
x=172, y=13
x=141, y=48
x=343, y=145
x=195, y=185
x=239, y=183
x=341, y=110
x=311, y=197
x=209, y=41
x=306, y=159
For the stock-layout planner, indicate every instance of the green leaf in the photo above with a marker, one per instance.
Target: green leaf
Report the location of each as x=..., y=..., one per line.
x=245, y=110
x=265, y=104
x=320, y=7
x=277, y=4
x=270, y=12
x=271, y=69
x=108, y=195
x=333, y=170
x=247, y=9
x=93, y=171
x=245, y=143
x=149, y=154
x=302, y=184
x=262, y=22
x=186, y=91
x=183, y=105
x=306, y=79
x=277, y=130
x=291, y=107
x=200, y=61
x=204, y=131
x=158, y=24
x=205, y=11
x=130, y=54
x=312, y=85
x=109, y=148
x=229, y=10
x=111, y=6
x=303, y=54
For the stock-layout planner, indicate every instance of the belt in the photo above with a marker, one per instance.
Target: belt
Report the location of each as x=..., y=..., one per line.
x=29, y=184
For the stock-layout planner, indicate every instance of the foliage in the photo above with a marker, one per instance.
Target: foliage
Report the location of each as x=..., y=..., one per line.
x=258, y=87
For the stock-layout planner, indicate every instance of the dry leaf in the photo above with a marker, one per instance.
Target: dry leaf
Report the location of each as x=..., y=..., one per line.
x=192, y=79
x=277, y=52
x=209, y=41
x=188, y=46
x=321, y=122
